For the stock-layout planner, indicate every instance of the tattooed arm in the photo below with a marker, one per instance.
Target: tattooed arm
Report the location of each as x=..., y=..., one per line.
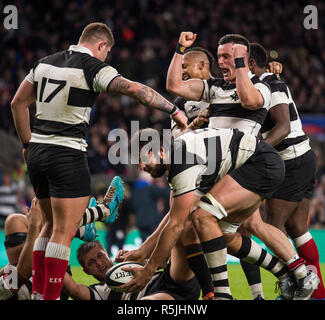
x=146, y=96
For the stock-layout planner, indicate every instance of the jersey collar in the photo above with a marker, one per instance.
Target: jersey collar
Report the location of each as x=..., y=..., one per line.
x=265, y=74
x=80, y=49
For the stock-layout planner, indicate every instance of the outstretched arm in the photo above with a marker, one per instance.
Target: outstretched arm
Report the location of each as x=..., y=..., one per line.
x=179, y=211
x=190, y=89
x=148, y=97
x=75, y=290
x=145, y=250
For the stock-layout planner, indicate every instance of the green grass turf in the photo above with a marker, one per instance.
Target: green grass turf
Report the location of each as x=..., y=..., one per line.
x=237, y=281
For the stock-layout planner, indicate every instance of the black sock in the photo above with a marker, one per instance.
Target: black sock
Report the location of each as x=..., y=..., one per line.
x=198, y=265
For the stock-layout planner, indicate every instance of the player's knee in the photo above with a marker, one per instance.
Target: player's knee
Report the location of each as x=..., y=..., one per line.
x=202, y=219
x=189, y=235
x=16, y=222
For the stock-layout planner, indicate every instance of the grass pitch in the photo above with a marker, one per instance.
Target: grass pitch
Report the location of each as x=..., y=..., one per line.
x=237, y=280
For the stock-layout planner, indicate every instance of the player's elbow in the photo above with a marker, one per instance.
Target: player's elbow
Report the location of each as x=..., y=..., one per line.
x=14, y=105
x=285, y=129
x=172, y=87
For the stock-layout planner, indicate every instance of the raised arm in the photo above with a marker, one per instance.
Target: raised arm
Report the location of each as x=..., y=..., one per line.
x=190, y=89
x=25, y=262
x=250, y=97
x=148, y=97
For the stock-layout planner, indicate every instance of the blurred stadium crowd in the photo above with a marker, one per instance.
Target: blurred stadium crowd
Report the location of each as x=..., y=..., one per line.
x=146, y=33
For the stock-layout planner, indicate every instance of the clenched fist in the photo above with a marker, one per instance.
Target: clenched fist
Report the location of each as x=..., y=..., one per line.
x=239, y=50
x=187, y=38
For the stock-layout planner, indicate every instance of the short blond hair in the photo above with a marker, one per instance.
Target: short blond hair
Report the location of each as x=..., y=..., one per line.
x=97, y=31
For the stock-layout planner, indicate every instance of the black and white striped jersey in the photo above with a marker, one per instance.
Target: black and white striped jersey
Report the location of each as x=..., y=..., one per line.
x=101, y=291
x=198, y=159
x=297, y=142
x=191, y=110
x=226, y=110
x=66, y=85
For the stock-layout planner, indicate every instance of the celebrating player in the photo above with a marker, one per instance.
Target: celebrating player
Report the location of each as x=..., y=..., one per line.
x=239, y=100
x=288, y=207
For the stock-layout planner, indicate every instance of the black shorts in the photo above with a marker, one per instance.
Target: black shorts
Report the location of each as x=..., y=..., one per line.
x=263, y=172
x=186, y=290
x=299, y=180
x=57, y=171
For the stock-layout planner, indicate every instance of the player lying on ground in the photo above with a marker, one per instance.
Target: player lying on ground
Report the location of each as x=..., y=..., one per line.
x=175, y=282
x=226, y=156
x=21, y=232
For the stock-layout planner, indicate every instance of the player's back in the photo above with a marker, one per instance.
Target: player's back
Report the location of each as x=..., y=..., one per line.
x=199, y=158
x=66, y=85
x=62, y=91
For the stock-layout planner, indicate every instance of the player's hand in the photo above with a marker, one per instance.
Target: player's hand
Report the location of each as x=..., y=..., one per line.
x=142, y=276
x=201, y=119
x=34, y=215
x=134, y=256
x=180, y=120
x=239, y=50
x=187, y=38
x=275, y=67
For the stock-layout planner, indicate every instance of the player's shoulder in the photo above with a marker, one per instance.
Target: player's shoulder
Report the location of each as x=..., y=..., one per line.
x=276, y=84
x=59, y=59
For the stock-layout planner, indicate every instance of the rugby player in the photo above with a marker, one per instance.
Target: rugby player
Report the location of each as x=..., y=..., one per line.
x=239, y=100
x=175, y=282
x=199, y=63
x=225, y=156
x=288, y=207
x=21, y=232
x=65, y=86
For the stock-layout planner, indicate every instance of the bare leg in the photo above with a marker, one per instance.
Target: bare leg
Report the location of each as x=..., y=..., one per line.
x=14, y=223
x=273, y=237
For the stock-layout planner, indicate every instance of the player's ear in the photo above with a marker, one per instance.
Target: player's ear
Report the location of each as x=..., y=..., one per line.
x=102, y=45
x=251, y=63
x=201, y=65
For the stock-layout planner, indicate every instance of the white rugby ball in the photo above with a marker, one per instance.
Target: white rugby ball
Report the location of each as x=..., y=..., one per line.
x=115, y=276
